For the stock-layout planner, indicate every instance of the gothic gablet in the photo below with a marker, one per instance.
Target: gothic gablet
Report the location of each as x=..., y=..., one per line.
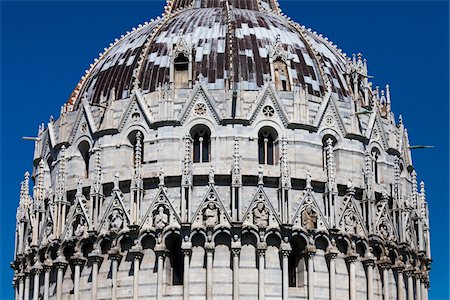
x=223, y=151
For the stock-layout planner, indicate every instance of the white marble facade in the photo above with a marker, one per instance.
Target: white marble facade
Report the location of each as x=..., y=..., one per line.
x=199, y=192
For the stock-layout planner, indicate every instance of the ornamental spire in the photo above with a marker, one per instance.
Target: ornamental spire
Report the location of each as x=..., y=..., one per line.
x=330, y=166
x=96, y=185
x=414, y=193
x=397, y=195
x=368, y=173
x=38, y=191
x=236, y=170
x=186, y=177
x=284, y=167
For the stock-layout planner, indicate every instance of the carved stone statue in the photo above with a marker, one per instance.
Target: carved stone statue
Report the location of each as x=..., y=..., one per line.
x=116, y=220
x=211, y=215
x=309, y=218
x=79, y=230
x=261, y=215
x=161, y=219
x=383, y=229
x=48, y=233
x=349, y=223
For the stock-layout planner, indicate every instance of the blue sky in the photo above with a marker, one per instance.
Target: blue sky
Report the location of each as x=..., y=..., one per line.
x=46, y=46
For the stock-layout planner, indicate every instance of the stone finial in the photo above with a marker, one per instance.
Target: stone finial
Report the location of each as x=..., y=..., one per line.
x=350, y=187
x=260, y=176
x=414, y=188
x=79, y=187
x=161, y=177
x=116, y=182
x=308, y=180
x=211, y=175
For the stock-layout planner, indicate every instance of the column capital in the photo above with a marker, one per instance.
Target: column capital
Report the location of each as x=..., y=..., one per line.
x=332, y=252
x=236, y=251
x=369, y=261
x=60, y=263
x=409, y=271
x=77, y=261
x=37, y=269
x=384, y=263
x=114, y=254
x=95, y=257
x=160, y=249
x=137, y=252
x=399, y=267
x=351, y=258
x=310, y=251
x=210, y=246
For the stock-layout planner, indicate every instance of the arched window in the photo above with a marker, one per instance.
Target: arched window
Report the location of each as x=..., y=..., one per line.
x=267, y=145
x=174, y=260
x=202, y=143
x=136, y=139
x=297, y=264
x=375, y=153
x=181, y=71
x=84, y=149
x=281, y=75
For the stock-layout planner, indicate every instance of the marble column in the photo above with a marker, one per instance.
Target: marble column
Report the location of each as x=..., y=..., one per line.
x=310, y=253
x=261, y=249
x=369, y=264
x=160, y=251
x=26, y=292
x=115, y=257
x=137, y=253
x=409, y=276
x=331, y=256
x=48, y=264
x=21, y=278
x=235, y=252
x=60, y=265
x=417, y=277
x=186, y=248
x=95, y=259
x=351, y=259
x=385, y=265
x=209, y=248
x=37, y=270
x=285, y=252
x=426, y=286
x=77, y=261
x=399, y=268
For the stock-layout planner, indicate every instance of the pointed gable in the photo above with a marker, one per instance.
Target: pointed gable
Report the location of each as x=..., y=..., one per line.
x=115, y=216
x=211, y=212
x=308, y=215
x=168, y=217
x=136, y=111
x=384, y=226
x=46, y=232
x=261, y=213
x=375, y=130
x=328, y=116
x=200, y=103
x=84, y=124
x=77, y=222
x=350, y=218
x=268, y=97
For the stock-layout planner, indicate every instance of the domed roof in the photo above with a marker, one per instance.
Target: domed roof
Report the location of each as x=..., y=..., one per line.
x=230, y=44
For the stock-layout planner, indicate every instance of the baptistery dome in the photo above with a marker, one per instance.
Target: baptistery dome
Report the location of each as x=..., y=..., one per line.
x=222, y=151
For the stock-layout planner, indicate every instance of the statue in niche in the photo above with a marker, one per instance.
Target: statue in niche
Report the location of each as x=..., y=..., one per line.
x=309, y=218
x=408, y=234
x=349, y=223
x=79, y=230
x=261, y=215
x=383, y=229
x=211, y=215
x=115, y=220
x=48, y=233
x=161, y=219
